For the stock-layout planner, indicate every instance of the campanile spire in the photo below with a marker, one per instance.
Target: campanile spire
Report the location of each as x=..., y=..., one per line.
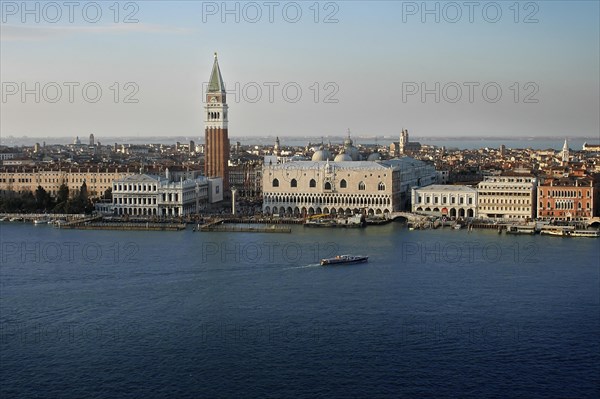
x=216, y=154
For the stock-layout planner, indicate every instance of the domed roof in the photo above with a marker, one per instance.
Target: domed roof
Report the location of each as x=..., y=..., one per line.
x=353, y=152
x=374, y=157
x=321, y=155
x=342, y=157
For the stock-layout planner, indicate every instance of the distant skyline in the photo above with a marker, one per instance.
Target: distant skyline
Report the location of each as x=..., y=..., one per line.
x=366, y=72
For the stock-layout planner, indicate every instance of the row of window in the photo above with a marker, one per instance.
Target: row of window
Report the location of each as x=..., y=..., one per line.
x=510, y=180
x=336, y=200
x=327, y=186
x=505, y=208
x=564, y=205
x=503, y=201
x=436, y=200
x=134, y=187
x=504, y=193
x=135, y=201
x=566, y=193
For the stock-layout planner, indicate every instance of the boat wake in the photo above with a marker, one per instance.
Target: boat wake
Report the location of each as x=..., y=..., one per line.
x=302, y=266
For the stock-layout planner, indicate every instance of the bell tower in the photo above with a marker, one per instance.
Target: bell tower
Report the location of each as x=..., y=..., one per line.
x=216, y=154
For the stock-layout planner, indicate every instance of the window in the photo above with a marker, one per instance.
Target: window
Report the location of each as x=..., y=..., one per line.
x=381, y=187
x=312, y=183
x=275, y=182
x=327, y=186
x=294, y=183
x=343, y=183
x=361, y=186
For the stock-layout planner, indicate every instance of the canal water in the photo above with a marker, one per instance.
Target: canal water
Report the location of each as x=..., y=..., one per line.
x=435, y=313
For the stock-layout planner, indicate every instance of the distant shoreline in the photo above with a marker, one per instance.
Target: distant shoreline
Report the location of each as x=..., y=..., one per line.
x=463, y=142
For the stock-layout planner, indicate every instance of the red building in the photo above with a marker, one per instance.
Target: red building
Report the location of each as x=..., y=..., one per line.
x=568, y=198
x=216, y=153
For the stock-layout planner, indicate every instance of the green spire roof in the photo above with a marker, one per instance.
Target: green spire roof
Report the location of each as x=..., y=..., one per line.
x=215, y=84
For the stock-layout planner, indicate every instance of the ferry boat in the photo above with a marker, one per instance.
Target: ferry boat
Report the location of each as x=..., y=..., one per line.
x=585, y=233
x=558, y=231
x=520, y=230
x=344, y=259
x=321, y=221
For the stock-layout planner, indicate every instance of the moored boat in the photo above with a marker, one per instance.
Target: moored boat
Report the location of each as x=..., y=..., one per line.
x=557, y=231
x=344, y=259
x=585, y=233
x=520, y=230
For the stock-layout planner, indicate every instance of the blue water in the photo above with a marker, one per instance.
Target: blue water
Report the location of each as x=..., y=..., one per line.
x=444, y=313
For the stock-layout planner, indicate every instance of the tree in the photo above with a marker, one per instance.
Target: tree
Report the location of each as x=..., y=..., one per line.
x=63, y=193
x=43, y=199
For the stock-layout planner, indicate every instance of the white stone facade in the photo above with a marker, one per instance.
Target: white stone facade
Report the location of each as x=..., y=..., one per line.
x=507, y=197
x=325, y=187
x=149, y=195
x=444, y=200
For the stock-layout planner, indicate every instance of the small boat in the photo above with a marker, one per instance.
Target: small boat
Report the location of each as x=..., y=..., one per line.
x=15, y=219
x=344, y=259
x=457, y=227
x=3, y=219
x=40, y=221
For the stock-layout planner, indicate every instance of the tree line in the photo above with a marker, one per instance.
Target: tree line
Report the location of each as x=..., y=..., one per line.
x=41, y=201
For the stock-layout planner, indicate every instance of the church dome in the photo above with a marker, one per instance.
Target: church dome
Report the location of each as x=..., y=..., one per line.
x=321, y=155
x=353, y=153
x=342, y=157
x=374, y=157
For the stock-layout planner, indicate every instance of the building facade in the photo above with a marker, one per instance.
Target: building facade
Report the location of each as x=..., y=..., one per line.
x=507, y=197
x=247, y=179
x=216, y=152
x=568, y=199
x=28, y=179
x=443, y=200
x=323, y=187
x=151, y=195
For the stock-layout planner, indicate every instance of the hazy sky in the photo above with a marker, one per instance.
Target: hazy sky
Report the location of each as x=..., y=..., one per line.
x=373, y=67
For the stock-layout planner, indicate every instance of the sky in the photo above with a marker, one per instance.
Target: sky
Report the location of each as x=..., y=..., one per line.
x=303, y=68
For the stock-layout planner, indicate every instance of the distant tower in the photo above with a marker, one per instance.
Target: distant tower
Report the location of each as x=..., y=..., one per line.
x=91, y=140
x=276, y=149
x=502, y=150
x=216, y=156
x=403, y=141
x=36, y=148
x=565, y=152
